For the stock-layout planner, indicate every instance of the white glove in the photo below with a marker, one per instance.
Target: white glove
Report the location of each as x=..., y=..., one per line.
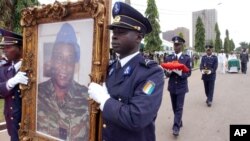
x=3, y=62
x=19, y=78
x=98, y=93
x=168, y=71
x=206, y=72
x=202, y=72
x=209, y=72
x=179, y=72
x=18, y=65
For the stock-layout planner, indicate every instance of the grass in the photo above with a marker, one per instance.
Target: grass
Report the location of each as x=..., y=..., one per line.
x=1, y=110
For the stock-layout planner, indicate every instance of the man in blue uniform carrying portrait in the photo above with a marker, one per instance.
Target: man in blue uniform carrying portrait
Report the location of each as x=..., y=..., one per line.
x=10, y=78
x=132, y=93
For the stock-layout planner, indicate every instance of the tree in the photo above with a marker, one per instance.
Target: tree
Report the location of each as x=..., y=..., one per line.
x=152, y=40
x=10, y=11
x=243, y=45
x=218, y=41
x=182, y=36
x=226, y=42
x=199, y=36
x=231, y=45
x=21, y=4
x=128, y=2
x=6, y=12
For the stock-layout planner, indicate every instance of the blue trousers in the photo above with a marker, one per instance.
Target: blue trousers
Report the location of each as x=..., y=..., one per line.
x=209, y=89
x=12, y=128
x=177, y=105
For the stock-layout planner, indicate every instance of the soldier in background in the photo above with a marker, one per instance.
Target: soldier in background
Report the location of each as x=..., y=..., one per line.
x=62, y=110
x=244, y=60
x=10, y=78
x=208, y=67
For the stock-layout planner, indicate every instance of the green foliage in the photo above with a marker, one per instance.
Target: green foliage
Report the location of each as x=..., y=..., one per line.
x=218, y=41
x=243, y=45
x=182, y=36
x=6, y=12
x=231, y=45
x=1, y=110
x=10, y=11
x=21, y=4
x=228, y=44
x=152, y=40
x=127, y=1
x=199, y=36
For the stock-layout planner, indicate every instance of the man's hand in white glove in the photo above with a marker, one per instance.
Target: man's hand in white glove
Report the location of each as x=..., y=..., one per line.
x=19, y=78
x=179, y=72
x=168, y=71
x=208, y=71
x=202, y=72
x=98, y=93
x=18, y=65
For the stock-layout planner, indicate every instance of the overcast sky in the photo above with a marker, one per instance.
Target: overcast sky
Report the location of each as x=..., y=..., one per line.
x=232, y=15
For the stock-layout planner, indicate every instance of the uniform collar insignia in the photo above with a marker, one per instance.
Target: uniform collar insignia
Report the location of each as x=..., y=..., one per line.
x=111, y=71
x=147, y=61
x=127, y=71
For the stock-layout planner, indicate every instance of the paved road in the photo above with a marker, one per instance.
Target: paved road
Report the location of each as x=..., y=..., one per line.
x=231, y=105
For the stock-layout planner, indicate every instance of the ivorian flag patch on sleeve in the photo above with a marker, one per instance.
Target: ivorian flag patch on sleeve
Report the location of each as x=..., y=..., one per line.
x=149, y=87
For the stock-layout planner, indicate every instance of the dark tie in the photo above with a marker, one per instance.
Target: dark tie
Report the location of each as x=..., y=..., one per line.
x=176, y=57
x=118, y=65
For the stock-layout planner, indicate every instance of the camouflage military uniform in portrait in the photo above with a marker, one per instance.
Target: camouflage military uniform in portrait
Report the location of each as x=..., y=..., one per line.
x=62, y=110
x=65, y=120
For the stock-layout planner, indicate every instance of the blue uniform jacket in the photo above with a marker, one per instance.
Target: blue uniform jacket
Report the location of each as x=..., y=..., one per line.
x=130, y=113
x=12, y=104
x=179, y=84
x=210, y=63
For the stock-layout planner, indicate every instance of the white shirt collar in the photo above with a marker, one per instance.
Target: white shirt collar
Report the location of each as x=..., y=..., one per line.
x=124, y=60
x=179, y=54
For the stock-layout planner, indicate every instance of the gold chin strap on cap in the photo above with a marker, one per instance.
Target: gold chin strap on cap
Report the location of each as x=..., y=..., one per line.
x=4, y=42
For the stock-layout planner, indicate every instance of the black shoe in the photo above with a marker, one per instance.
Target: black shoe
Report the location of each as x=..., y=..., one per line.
x=181, y=125
x=176, y=132
x=209, y=103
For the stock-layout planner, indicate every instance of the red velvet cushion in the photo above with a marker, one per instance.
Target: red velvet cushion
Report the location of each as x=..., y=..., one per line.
x=175, y=65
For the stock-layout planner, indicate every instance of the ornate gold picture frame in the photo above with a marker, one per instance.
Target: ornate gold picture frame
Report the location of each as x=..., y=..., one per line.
x=47, y=115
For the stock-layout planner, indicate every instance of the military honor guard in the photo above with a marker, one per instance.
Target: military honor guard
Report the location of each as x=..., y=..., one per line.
x=178, y=83
x=10, y=78
x=132, y=93
x=208, y=67
x=244, y=59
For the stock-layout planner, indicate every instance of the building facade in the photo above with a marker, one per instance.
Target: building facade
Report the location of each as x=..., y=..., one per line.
x=171, y=33
x=209, y=19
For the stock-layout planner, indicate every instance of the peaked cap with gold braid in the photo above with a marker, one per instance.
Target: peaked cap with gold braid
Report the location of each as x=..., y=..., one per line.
x=10, y=38
x=127, y=17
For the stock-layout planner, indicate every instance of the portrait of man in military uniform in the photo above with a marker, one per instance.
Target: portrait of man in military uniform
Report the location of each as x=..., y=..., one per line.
x=62, y=102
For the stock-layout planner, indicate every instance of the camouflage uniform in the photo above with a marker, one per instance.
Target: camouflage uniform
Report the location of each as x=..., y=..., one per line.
x=67, y=120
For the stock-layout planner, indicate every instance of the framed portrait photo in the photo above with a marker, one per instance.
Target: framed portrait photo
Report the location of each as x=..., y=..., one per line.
x=65, y=47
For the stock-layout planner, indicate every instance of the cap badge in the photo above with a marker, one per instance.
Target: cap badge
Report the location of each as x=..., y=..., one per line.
x=117, y=19
x=116, y=8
